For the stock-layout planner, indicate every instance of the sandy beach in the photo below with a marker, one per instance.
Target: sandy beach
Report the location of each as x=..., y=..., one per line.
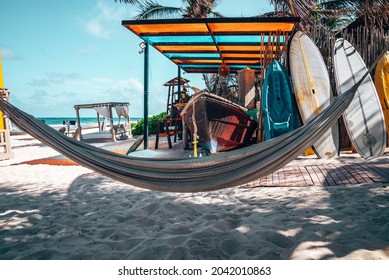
x=70, y=212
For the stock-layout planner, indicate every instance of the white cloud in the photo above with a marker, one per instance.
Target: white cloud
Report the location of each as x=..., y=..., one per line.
x=103, y=16
x=54, y=78
x=60, y=77
x=56, y=93
x=89, y=50
x=8, y=54
x=55, y=87
x=96, y=29
x=111, y=14
x=39, y=83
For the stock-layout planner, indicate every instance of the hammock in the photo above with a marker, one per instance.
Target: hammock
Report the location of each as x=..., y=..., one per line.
x=188, y=174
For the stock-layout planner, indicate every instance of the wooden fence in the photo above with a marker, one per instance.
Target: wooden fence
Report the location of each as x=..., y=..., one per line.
x=370, y=42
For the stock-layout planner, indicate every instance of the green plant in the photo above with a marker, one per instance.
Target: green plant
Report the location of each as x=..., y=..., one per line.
x=137, y=128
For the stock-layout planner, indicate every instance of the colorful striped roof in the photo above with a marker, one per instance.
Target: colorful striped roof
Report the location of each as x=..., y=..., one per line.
x=202, y=45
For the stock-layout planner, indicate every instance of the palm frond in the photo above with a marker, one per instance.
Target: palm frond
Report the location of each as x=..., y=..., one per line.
x=337, y=4
x=199, y=8
x=216, y=15
x=133, y=2
x=280, y=6
x=371, y=12
x=333, y=12
x=299, y=8
x=152, y=10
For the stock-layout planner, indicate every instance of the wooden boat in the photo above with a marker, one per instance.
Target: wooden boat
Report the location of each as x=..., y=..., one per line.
x=381, y=82
x=221, y=124
x=312, y=89
x=364, y=118
x=279, y=109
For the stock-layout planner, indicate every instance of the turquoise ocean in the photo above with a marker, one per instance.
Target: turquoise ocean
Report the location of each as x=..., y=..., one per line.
x=58, y=122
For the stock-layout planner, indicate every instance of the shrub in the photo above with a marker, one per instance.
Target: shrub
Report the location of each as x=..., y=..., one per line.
x=137, y=128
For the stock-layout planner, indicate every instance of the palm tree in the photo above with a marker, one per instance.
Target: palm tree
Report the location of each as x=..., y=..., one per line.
x=372, y=13
x=336, y=14
x=300, y=8
x=149, y=9
x=191, y=9
x=129, y=1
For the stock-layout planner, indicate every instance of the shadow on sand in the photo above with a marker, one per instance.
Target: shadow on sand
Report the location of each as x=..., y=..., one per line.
x=98, y=218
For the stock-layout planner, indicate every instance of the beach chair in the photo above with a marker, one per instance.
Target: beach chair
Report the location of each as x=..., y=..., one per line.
x=77, y=134
x=121, y=132
x=168, y=127
x=62, y=130
x=68, y=123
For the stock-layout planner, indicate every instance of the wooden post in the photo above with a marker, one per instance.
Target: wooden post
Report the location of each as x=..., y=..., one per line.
x=179, y=82
x=98, y=121
x=2, y=125
x=5, y=139
x=78, y=121
x=168, y=100
x=146, y=98
x=171, y=102
x=111, y=122
x=128, y=122
x=185, y=134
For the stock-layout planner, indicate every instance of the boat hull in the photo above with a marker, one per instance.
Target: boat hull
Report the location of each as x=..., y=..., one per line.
x=221, y=124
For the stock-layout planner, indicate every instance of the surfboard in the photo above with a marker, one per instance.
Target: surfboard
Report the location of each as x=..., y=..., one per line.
x=279, y=110
x=364, y=118
x=312, y=89
x=381, y=82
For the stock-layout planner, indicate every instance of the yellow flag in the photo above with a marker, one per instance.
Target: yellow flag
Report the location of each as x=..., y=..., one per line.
x=1, y=86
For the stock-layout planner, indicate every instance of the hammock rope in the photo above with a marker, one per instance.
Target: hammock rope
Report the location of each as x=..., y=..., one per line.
x=195, y=136
x=219, y=171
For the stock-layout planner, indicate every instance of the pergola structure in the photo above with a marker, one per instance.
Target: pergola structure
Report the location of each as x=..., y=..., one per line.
x=104, y=109
x=203, y=45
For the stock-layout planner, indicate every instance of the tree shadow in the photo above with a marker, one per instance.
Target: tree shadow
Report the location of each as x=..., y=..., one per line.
x=38, y=145
x=97, y=218
x=358, y=212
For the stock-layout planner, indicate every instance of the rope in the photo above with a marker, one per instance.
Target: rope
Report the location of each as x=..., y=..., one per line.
x=195, y=136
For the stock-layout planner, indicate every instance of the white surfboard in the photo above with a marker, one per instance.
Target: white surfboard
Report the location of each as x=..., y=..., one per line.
x=364, y=118
x=312, y=89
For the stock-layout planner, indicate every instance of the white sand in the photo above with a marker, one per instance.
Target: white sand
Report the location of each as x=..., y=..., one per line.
x=70, y=212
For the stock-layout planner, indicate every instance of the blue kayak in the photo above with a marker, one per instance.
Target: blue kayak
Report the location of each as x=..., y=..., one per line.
x=279, y=109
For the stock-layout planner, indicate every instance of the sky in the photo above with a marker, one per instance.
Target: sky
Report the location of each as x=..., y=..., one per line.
x=57, y=54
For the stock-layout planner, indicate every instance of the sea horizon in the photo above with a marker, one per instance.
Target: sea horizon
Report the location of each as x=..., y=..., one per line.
x=86, y=122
